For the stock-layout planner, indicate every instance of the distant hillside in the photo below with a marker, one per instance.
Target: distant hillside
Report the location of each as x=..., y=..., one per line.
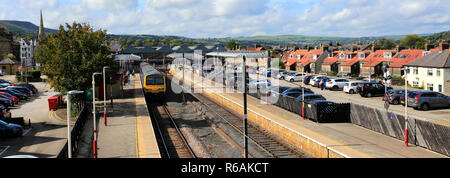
x=23, y=29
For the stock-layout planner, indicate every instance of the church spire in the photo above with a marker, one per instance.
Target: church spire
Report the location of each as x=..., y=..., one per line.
x=41, y=29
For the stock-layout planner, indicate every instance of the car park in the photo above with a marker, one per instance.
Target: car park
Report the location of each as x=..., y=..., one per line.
x=311, y=97
x=336, y=84
x=296, y=77
x=320, y=81
x=29, y=86
x=275, y=91
x=10, y=130
x=351, y=87
x=370, y=89
x=426, y=100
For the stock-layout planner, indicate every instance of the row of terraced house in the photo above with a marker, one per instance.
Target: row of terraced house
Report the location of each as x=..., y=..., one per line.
x=365, y=60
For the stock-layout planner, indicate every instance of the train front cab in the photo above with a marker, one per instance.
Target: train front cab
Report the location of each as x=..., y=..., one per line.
x=155, y=86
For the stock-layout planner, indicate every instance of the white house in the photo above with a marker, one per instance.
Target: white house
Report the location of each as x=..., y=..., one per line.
x=432, y=72
x=26, y=52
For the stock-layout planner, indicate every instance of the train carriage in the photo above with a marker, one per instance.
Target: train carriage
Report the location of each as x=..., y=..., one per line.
x=153, y=81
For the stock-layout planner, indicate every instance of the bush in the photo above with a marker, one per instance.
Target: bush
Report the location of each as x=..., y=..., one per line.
x=332, y=73
x=32, y=75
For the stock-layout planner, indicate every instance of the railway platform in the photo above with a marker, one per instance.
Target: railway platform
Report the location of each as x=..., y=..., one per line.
x=129, y=132
x=342, y=140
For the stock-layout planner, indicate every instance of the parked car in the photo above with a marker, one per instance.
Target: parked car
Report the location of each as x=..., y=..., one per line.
x=5, y=101
x=10, y=130
x=351, y=87
x=336, y=83
x=16, y=100
x=21, y=89
x=319, y=81
x=311, y=97
x=5, y=81
x=315, y=79
x=411, y=94
x=294, y=94
x=307, y=79
x=370, y=89
x=426, y=100
x=294, y=78
x=18, y=94
x=274, y=91
x=4, y=113
x=282, y=75
x=29, y=86
x=298, y=89
x=394, y=96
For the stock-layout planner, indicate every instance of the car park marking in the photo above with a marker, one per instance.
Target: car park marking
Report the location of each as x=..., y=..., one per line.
x=4, y=150
x=26, y=132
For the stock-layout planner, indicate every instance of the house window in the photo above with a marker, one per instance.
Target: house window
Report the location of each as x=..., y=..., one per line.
x=315, y=56
x=440, y=88
x=430, y=87
x=342, y=56
x=362, y=55
x=387, y=54
x=415, y=84
x=291, y=56
x=438, y=72
x=416, y=71
x=430, y=72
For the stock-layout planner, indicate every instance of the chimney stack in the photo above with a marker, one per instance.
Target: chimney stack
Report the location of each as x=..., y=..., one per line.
x=428, y=46
x=443, y=45
x=399, y=48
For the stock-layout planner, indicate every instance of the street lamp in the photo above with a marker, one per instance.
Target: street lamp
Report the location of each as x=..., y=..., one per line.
x=93, y=112
x=104, y=94
x=303, y=91
x=69, y=139
x=244, y=81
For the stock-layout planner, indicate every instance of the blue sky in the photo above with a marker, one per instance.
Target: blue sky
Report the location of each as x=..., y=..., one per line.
x=231, y=18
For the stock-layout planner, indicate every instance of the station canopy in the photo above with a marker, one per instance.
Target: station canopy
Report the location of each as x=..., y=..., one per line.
x=128, y=57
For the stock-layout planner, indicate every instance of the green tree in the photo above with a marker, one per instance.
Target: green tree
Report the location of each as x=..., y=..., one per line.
x=413, y=41
x=138, y=43
x=386, y=43
x=232, y=45
x=71, y=55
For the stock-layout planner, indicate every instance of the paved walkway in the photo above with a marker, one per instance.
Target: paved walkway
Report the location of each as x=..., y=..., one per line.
x=129, y=132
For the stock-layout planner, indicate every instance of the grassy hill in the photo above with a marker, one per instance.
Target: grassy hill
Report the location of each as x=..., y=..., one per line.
x=23, y=29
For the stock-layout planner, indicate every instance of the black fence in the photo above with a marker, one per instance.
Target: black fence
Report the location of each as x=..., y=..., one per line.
x=76, y=133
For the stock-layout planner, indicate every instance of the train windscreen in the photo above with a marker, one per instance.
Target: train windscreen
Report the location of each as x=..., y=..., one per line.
x=155, y=81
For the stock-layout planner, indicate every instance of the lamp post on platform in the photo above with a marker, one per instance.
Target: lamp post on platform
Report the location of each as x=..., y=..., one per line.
x=93, y=112
x=104, y=95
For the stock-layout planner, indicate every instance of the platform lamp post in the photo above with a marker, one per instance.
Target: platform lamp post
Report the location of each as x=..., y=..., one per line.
x=303, y=91
x=93, y=112
x=244, y=81
x=406, y=105
x=69, y=114
x=104, y=95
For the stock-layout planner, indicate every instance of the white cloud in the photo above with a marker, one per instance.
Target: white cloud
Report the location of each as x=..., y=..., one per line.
x=113, y=5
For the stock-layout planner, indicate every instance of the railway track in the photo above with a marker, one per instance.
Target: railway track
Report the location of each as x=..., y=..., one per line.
x=171, y=140
x=263, y=140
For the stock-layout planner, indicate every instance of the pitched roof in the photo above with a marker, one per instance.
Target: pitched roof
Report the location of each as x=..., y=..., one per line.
x=8, y=61
x=377, y=57
x=406, y=56
x=182, y=49
x=439, y=59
